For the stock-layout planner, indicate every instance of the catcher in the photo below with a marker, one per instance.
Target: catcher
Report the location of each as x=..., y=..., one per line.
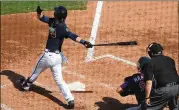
x=134, y=85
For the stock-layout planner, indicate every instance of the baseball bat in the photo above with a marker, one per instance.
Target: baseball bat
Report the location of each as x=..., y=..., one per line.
x=128, y=43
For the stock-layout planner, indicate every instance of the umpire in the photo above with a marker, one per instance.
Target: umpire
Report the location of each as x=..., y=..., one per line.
x=162, y=80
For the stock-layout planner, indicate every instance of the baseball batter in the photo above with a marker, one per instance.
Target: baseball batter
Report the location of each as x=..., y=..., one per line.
x=52, y=57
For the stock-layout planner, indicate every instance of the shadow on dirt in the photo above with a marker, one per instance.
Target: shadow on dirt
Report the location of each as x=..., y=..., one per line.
x=15, y=77
x=109, y=103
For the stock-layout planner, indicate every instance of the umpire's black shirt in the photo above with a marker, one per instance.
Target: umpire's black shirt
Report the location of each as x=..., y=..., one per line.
x=162, y=69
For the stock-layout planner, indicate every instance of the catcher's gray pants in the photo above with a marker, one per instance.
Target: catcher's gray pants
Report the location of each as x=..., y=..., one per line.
x=54, y=62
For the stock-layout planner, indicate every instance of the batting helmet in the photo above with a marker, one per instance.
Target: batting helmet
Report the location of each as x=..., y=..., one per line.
x=142, y=62
x=60, y=13
x=154, y=49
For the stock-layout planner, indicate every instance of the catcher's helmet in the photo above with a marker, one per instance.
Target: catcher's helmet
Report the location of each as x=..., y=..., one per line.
x=142, y=62
x=60, y=13
x=154, y=49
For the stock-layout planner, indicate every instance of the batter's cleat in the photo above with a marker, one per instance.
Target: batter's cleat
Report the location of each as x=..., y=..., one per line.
x=25, y=84
x=71, y=104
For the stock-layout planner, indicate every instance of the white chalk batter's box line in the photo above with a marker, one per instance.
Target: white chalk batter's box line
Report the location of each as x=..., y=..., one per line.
x=115, y=58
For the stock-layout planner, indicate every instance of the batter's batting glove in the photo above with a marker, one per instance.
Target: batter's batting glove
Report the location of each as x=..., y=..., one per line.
x=86, y=44
x=39, y=10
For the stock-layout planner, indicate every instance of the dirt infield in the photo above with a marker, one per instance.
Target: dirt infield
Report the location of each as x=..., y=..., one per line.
x=23, y=39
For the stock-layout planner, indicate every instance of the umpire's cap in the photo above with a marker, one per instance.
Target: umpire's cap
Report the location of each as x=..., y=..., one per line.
x=154, y=49
x=60, y=13
x=142, y=62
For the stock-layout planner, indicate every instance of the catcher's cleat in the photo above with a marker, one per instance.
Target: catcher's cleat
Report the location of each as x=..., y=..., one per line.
x=25, y=84
x=71, y=104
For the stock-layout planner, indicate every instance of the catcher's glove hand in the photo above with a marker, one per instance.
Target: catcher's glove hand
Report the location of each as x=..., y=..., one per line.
x=39, y=10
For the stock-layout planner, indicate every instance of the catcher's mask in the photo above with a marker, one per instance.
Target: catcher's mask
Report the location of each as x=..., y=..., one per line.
x=154, y=49
x=142, y=62
x=60, y=13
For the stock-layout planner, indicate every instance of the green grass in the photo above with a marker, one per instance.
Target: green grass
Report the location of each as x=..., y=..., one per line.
x=11, y=7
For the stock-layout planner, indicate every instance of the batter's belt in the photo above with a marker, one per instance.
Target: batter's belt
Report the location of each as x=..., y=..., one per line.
x=56, y=51
x=64, y=59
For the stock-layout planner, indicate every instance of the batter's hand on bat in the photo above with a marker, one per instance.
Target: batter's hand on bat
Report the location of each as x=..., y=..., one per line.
x=84, y=42
x=88, y=44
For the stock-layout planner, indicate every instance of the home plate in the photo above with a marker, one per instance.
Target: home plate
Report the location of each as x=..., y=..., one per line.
x=76, y=86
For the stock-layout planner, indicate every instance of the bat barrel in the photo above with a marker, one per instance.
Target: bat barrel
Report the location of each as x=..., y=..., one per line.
x=118, y=44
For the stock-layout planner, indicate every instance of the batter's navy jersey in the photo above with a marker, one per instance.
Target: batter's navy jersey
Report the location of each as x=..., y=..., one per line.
x=57, y=33
x=135, y=85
